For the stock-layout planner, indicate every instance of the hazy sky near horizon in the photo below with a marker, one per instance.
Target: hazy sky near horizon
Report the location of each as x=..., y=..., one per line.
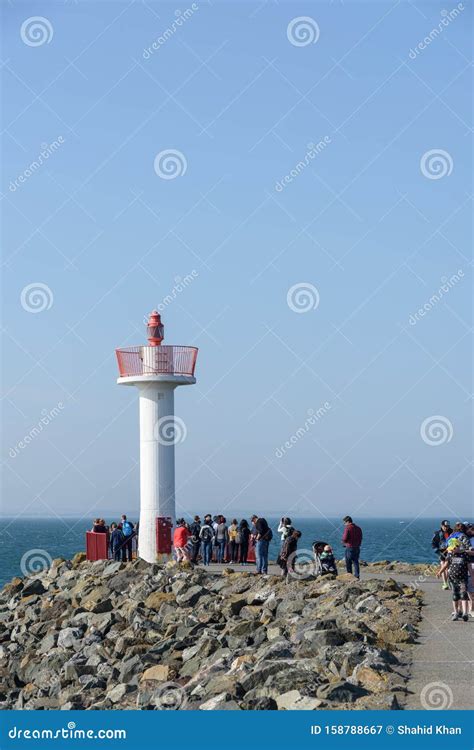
x=320, y=390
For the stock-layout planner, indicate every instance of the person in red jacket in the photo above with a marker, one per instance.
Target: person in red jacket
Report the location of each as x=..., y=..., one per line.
x=352, y=539
x=180, y=540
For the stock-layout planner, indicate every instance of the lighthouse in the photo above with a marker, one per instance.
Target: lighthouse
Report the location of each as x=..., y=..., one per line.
x=156, y=371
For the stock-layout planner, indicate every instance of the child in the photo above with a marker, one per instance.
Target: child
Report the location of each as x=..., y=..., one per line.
x=328, y=563
x=470, y=588
x=457, y=565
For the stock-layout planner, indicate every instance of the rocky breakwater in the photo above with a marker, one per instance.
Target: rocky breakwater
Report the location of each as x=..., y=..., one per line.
x=109, y=635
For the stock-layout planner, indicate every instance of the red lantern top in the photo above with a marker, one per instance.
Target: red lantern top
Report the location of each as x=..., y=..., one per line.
x=155, y=329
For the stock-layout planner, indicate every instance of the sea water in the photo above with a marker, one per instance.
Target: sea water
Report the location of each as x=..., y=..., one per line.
x=28, y=543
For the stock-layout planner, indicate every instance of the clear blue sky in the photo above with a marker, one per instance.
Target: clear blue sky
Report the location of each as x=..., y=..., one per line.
x=362, y=222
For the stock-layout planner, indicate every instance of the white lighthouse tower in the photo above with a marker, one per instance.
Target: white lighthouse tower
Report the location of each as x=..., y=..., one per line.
x=156, y=371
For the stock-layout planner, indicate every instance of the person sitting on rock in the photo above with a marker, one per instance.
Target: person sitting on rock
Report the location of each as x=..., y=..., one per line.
x=328, y=561
x=457, y=565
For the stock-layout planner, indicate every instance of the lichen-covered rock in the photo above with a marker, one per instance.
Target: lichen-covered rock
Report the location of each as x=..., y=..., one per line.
x=78, y=559
x=159, y=673
x=157, y=598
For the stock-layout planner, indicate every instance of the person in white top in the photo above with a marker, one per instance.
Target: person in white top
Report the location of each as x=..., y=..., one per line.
x=284, y=529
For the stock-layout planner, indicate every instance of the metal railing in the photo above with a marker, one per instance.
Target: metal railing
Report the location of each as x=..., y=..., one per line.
x=156, y=360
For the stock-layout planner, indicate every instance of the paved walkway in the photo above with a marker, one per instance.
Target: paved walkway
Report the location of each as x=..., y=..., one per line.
x=442, y=669
x=442, y=659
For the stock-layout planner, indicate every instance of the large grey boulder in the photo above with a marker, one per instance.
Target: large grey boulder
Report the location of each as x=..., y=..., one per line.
x=293, y=700
x=190, y=596
x=33, y=587
x=70, y=638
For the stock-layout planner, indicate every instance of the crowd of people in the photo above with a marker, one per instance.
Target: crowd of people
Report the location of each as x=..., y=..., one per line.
x=455, y=548
x=213, y=539
x=122, y=537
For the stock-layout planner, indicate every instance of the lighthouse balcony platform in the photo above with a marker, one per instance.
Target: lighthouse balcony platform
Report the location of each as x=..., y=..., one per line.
x=154, y=362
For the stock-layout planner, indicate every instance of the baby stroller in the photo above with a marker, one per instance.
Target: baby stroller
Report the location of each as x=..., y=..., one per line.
x=318, y=548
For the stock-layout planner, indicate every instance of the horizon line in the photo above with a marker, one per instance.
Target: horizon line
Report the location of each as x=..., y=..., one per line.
x=303, y=518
